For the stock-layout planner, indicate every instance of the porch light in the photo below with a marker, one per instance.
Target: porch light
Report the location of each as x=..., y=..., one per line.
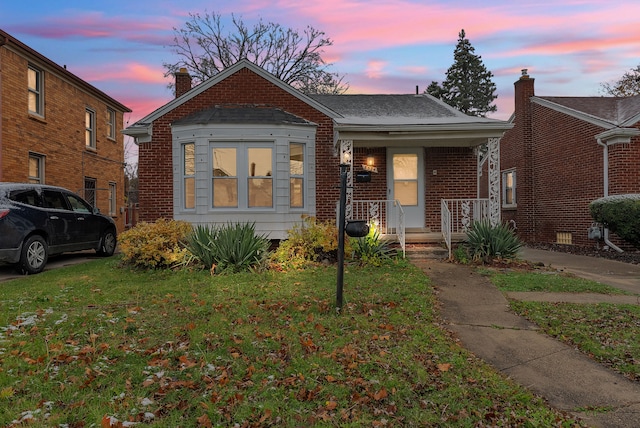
x=371, y=161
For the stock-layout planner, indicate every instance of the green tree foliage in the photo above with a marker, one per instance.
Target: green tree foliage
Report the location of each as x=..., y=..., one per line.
x=627, y=86
x=621, y=214
x=204, y=47
x=468, y=85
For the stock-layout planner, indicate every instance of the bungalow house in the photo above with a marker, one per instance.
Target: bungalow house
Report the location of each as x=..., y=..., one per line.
x=244, y=146
x=57, y=129
x=563, y=153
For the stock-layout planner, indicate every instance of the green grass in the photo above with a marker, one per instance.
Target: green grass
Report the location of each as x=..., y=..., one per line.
x=606, y=332
x=553, y=282
x=93, y=341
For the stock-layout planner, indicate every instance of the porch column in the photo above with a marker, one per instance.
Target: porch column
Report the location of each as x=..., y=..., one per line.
x=493, y=158
x=346, y=157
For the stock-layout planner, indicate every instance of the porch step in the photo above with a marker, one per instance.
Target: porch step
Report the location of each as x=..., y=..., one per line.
x=424, y=252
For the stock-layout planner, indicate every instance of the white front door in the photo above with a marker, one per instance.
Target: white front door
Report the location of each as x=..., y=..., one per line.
x=406, y=183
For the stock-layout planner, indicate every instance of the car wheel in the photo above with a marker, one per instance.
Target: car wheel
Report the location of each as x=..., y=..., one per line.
x=107, y=244
x=34, y=255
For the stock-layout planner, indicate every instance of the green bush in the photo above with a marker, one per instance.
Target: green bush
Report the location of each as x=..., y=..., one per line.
x=620, y=214
x=230, y=248
x=370, y=250
x=308, y=243
x=487, y=242
x=155, y=245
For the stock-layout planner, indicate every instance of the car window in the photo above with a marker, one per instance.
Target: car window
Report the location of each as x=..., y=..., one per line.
x=78, y=205
x=26, y=196
x=54, y=199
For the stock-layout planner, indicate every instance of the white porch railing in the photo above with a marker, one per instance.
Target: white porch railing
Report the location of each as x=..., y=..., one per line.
x=457, y=215
x=386, y=215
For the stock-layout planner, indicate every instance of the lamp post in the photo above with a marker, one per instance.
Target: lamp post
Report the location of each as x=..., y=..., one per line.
x=341, y=224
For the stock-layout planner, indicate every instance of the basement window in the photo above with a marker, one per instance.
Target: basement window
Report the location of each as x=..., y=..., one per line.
x=564, y=238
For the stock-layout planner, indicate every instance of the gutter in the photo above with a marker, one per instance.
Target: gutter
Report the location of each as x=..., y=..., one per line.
x=605, y=156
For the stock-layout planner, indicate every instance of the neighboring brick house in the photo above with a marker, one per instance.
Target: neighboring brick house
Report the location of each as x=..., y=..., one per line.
x=244, y=146
x=57, y=129
x=563, y=153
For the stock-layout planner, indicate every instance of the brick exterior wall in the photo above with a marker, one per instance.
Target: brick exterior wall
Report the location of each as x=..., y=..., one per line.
x=59, y=136
x=559, y=170
x=242, y=88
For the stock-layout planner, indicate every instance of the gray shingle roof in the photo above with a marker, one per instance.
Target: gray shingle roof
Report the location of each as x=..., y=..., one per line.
x=615, y=110
x=241, y=114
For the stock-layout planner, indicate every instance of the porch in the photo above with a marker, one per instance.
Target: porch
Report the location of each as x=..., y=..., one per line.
x=387, y=217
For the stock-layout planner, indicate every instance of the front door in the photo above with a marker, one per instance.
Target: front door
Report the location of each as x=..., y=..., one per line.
x=406, y=183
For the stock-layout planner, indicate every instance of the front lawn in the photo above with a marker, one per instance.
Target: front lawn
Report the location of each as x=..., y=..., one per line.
x=95, y=345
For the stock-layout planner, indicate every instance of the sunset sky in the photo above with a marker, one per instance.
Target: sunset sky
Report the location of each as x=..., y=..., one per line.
x=381, y=46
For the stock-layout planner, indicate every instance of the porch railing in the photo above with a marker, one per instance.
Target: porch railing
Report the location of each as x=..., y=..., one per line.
x=386, y=215
x=457, y=215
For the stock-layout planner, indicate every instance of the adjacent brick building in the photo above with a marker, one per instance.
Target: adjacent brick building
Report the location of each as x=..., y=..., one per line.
x=57, y=129
x=563, y=153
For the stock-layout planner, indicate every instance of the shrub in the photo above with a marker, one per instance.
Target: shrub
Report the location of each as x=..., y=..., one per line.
x=487, y=242
x=370, y=250
x=307, y=243
x=155, y=245
x=620, y=214
x=230, y=248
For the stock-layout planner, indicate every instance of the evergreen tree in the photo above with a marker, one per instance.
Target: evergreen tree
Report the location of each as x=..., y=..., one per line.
x=468, y=86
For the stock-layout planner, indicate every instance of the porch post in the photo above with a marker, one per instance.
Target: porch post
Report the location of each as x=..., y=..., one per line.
x=493, y=157
x=346, y=156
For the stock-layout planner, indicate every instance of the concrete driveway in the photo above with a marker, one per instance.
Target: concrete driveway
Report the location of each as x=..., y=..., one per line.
x=7, y=272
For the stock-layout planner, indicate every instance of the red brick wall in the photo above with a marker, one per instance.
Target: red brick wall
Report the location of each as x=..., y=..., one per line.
x=560, y=170
x=59, y=136
x=244, y=87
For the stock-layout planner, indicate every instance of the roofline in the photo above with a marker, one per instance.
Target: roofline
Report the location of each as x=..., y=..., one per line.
x=243, y=63
x=594, y=120
x=408, y=128
x=7, y=40
x=618, y=135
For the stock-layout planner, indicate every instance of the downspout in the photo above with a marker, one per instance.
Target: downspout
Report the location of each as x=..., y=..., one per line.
x=605, y=170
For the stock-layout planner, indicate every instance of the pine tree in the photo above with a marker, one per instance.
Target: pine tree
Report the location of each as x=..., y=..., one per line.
x=468, y=86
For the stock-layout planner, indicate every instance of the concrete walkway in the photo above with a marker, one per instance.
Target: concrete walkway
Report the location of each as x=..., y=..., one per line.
x=477, y=312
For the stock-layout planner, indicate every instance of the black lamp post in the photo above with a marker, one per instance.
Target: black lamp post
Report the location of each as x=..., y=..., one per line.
x=341, y=224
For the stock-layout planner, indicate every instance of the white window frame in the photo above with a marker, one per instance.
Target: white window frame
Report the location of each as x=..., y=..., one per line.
x=243, y=176
x=39, y=179
x=90, y=128
x=37, y=91
x=111, y=123
x=113, y=209
x=505, y=188
x=184, y=176
x=302, y=176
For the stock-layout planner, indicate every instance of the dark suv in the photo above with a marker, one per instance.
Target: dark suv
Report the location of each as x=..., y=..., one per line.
x=37, y=221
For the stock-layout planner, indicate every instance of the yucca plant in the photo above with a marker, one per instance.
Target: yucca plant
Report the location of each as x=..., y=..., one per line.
x=487, y=242
x=230, y=248
x=371, y=250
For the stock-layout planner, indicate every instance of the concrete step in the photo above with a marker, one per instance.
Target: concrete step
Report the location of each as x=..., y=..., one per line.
x=422, y=252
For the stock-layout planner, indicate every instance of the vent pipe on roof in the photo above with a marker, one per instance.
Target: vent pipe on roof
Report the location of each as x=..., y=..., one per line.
x=417, y=93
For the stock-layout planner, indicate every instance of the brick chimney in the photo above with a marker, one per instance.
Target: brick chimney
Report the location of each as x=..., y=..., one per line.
x=523, y=93
x=183, y=82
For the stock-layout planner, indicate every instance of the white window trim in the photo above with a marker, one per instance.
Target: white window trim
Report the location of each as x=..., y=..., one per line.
x=514, y=188
x=113, y=200
x=41, y=163
x=184, y=175
x=111, y=123
x=303, y=176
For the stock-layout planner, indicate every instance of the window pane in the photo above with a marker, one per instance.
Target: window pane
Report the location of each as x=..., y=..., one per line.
x=189, y=166
x=224, y=162
x=33, y=79
x=405, y=167
x=259, y=162
x=406, y=192
x=296, y=159
x=89, y=122
x=225, y=192
x=189, y=193
x=112, y=198
x=260, y=192
x=34, y=167
x=33, y=102
x=296, y=193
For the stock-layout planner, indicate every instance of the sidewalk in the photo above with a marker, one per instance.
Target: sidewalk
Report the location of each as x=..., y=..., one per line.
x=477, y=312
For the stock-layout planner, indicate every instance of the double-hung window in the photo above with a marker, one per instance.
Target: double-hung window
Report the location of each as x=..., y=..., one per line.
x=242, y=175
x=296, y=175
x=36, y=100
x=189, y=175
x=90, y=128
x=509, y=188
x=111, y=123
x=112, y=198
x=36, y=168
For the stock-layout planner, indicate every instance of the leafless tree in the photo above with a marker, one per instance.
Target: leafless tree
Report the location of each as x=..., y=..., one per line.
x=628, y=85
x=205, y=48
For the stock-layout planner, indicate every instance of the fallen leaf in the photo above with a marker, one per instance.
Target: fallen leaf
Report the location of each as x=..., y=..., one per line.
x=444, y=367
